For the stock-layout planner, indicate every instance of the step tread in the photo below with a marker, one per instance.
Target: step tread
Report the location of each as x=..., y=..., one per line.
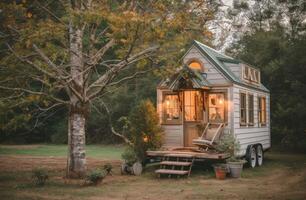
x=171, y=171
x=178, y=155
x=176, y=163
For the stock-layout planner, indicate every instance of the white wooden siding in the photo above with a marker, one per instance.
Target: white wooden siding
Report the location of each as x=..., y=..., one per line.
x=235, y=68
x=213, y=75
x=174, y=136
x=252, y=134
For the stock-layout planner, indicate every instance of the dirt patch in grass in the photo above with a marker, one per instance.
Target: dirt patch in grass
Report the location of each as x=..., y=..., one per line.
x=26, y=163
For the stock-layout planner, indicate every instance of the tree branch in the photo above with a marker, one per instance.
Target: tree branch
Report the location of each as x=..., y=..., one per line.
x=125, y=139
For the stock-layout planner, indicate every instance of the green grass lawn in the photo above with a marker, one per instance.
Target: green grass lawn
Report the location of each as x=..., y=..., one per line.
x=92, y=151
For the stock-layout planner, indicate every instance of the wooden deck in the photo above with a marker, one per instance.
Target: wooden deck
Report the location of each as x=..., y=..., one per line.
x=190, y=152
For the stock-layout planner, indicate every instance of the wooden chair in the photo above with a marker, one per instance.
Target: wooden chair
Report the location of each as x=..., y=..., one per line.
x=209, y=136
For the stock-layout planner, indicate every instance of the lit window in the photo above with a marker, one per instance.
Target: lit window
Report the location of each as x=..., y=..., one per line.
x=262, y=111
x=216, y=108
x=195, y=65
x=171, y=108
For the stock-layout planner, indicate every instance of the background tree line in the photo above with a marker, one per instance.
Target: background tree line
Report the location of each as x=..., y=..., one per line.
x=273, y=39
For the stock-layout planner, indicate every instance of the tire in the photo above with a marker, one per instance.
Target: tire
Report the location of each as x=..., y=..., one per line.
x=259, y=155
x=251, y=156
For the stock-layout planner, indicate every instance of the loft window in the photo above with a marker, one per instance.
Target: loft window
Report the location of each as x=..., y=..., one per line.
x=195, y=65
x=251, y=74
x=171, y=108
x=216, y=108
x=251, y=110
x=243, y=109
x=262, y=114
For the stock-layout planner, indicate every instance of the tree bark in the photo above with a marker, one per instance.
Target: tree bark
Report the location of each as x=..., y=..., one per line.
x=76, y=163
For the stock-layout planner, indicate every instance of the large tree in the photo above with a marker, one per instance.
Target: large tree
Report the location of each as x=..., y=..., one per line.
x=73, y=52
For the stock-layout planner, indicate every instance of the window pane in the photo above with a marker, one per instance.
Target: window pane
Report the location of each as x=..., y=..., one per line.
x=251, y=109
x=195, y=65
x=171, y=107
x=242, y=108
x=216, y=108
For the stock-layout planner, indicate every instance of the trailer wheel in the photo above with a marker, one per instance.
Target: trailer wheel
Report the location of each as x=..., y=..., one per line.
x=259, y=155
x=251, y=156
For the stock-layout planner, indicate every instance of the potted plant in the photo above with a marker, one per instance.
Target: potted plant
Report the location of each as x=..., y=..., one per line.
x=229, y=144
x=220, y=171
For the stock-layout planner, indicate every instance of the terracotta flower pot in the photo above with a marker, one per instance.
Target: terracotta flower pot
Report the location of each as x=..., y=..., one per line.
x=220, y=171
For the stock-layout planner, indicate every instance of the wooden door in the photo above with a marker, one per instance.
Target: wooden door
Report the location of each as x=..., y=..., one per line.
x=193, y=115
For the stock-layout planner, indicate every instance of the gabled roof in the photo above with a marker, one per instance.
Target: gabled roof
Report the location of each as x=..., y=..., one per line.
x=186, y=78
x=219, y=59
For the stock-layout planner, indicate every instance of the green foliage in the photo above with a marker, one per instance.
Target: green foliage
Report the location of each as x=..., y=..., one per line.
x=145, y=131
x=129, y=156
x=228, y=144
x=39, y=176
x=96, y=176
x=279, y=51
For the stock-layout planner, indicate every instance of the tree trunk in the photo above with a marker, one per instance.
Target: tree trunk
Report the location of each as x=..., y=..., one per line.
x=76, y=164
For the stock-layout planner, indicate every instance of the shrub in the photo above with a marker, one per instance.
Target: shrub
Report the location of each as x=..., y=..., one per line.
x=129, y=156
x=39, y=176
x=108, y=168
x=145, y=131
x=228, y=144
x=96, y=176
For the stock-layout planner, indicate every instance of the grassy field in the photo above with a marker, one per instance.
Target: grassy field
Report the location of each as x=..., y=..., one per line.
x=93, y=151
x=283, y=176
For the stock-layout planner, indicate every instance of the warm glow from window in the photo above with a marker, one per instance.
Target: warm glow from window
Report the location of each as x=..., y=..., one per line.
x=216, y=108
x=195, y=65
x=171, y=110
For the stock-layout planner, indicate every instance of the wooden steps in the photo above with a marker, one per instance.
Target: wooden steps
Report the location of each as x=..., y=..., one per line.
x=171, y=171
x=175, y=164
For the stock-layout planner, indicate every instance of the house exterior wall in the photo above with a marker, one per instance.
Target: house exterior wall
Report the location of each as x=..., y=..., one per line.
x=247, y=135
x=213, y=75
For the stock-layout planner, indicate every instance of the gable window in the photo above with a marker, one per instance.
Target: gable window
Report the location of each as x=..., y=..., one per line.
x=262, y=118
x=243, y=109
x=195, y=65
x=171, y=108
x=250, y=110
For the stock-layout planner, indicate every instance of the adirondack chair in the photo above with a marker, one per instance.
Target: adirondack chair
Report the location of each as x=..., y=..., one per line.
x=209, y=136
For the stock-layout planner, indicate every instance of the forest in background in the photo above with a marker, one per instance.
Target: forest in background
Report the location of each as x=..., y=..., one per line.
x=273, y=40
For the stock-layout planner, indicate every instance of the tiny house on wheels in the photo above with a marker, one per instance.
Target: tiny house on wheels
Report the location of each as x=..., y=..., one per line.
x=215, y=88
